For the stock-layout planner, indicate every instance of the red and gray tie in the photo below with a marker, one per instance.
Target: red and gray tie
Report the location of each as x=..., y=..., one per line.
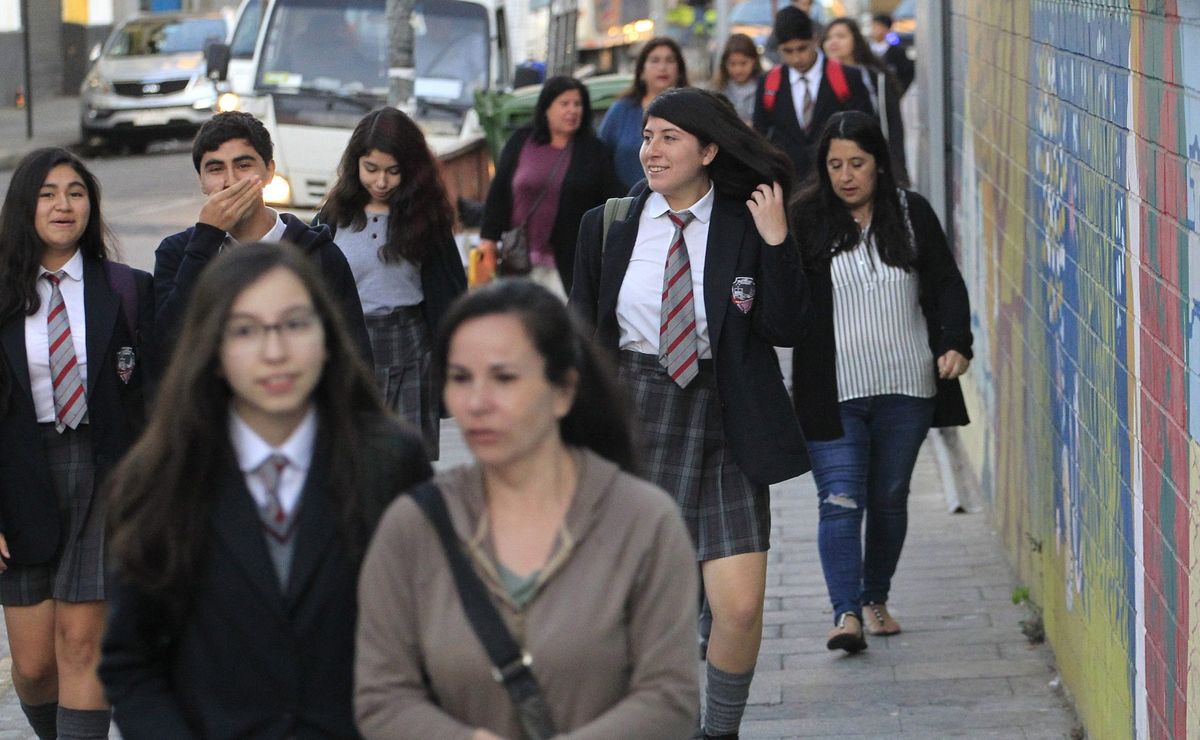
x=70, y=400
x=275, y=520
x=678, y=345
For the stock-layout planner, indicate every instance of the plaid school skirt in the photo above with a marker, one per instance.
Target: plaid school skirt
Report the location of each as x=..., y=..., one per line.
x=77, y=572
x=403, y=353
x=684, y=452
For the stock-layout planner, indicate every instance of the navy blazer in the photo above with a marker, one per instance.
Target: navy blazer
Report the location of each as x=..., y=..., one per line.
x=783, y=129
x=760, y=427
x=29, y=517
x=251, y=659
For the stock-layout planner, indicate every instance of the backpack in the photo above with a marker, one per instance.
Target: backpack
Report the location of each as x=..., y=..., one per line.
x=614, y=209
x=833, y=71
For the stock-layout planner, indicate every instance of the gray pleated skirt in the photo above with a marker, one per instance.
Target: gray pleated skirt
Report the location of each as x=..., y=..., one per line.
x=403, y=353
x=77, y=572
x=684, y=452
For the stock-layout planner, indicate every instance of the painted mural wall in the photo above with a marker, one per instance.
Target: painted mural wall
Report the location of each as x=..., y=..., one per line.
x=1076, y=155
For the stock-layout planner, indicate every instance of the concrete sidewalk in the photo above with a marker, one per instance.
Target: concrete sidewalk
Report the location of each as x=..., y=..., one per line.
x=55, y=123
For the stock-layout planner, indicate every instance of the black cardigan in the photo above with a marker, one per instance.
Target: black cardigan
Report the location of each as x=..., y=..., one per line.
x=944, y=302
x=589, y=181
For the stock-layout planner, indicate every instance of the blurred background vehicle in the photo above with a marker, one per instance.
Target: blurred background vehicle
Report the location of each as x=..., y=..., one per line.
x=148, y=81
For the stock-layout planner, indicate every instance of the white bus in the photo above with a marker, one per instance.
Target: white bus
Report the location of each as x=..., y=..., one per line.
x=319, y=65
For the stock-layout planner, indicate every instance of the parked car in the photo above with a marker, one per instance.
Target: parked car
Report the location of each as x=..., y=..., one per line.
x=149, y=79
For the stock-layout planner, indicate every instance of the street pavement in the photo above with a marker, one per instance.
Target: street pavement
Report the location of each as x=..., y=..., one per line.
x=961, y=668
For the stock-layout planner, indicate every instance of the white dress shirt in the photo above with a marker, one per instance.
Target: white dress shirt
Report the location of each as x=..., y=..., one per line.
x=814, y=75
x=252, y=451
x=37, y=339
x=639, y=302
x=274, y=235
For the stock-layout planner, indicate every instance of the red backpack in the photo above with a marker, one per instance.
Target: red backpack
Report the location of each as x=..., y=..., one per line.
x=834, y=72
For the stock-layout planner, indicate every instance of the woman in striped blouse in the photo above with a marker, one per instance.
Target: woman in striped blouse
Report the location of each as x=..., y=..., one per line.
x=891, y=334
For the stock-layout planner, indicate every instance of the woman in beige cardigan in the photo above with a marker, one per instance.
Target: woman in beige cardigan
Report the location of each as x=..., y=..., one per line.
x=591, y=569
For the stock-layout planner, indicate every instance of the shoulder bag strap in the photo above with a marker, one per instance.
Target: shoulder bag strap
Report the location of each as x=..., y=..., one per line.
x=542, y=195
x=511, y=664
x=912, y=236
x=615, y=209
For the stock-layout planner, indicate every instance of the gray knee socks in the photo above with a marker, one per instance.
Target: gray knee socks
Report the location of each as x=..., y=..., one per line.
x=725, y=700
x=83, y=724
x=42, y=718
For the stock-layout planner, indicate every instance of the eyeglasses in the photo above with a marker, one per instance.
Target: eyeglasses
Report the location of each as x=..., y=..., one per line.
x=249, y=335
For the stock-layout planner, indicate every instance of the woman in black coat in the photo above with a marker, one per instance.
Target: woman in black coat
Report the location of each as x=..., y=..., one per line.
x=558, y=155
x=890, y=337
x=238, y=521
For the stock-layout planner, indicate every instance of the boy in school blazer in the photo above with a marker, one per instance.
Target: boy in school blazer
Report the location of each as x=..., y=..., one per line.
x=778, y=119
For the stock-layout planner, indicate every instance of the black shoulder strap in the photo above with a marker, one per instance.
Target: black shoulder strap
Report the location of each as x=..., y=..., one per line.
x=511, y=664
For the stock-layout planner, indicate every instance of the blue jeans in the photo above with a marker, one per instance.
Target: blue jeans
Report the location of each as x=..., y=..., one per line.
x=866, y=471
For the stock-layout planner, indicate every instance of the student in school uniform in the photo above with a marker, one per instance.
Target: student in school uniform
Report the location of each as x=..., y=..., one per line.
x=73, y=380
x=234, y=157
x=794, y=103
x=239, y=520
x=692, y=292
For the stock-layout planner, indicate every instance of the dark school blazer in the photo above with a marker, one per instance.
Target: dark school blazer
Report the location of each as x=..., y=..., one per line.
x=590, y=180
x=250, y=660
x=944, y=302
x=760, y=427
x=29, y=517
x=783, y=129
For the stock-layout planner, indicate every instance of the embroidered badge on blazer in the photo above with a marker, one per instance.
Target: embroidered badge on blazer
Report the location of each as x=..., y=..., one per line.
x=126, y=361
x=743, y=293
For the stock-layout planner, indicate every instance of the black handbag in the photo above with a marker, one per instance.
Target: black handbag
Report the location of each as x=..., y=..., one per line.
x=513, y=258
x=510, y=664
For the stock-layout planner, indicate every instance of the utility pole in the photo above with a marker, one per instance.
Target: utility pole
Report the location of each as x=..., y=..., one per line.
x=25, y=36
x=401, y=68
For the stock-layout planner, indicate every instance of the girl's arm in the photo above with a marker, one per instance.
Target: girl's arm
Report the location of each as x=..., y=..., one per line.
x=781, y=302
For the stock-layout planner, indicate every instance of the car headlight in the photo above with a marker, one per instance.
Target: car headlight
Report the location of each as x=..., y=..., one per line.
x=94, y=83
x=278, y=191
x=228, y=101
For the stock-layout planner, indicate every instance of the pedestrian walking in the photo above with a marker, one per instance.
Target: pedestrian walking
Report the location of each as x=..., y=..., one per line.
x=233, y=155
x=891, y=335
x=845, y=43
x=692, y=291
x=239, y=519
x=583, y=569
x=738, y=73
x=659, y=66
x=549, y=174
x=888, y=47
x=74, y=377
x=797, y=97
x=390, y=216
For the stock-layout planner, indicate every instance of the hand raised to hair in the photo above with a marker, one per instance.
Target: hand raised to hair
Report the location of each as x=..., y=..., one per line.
x=767, y=207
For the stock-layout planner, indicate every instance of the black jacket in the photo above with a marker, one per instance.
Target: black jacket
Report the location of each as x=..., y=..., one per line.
x=896, y=59
x=589, y=180
x=890, y=98
x=249, y=660
x=181, y=257
x=944, y=302
x=760, y=427
x=29, y=517
x=782, y=128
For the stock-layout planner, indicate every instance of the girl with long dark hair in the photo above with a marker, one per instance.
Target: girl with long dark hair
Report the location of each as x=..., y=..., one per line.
x=74, y=373
x=393, y=221
x=891, y=334
x=738, y=73
x=692, y=292
x=589, y=567
x=659, y=66
x=238, y=520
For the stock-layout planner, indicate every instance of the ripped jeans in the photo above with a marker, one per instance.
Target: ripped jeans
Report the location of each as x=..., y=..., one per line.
x=866, y=471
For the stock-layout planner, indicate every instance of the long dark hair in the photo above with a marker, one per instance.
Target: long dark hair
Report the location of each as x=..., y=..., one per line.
x=20, y=246
x=599, y=419
x=744, y=158
x=737, y=43
x=552, y=88
x=162, y=492
x=419, y=214
x=637, y=90
x=862, y=54
x=828, y=227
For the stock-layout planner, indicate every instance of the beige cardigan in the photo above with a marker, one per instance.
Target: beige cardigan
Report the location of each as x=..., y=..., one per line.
x=611, y=628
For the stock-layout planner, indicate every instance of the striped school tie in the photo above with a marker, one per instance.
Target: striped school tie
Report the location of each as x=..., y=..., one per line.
x=678, y=345
x=70, y=401
x=806, y=104
x=275, y=520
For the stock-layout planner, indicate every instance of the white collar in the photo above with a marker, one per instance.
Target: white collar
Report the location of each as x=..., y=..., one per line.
x=656, y=206
x=73, y=269
x=794, y=74
x=274, y=235
x=252, y=451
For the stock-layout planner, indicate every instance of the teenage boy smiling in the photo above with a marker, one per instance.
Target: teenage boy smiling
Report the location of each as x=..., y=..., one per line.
x=804, y=97
x=233, y=156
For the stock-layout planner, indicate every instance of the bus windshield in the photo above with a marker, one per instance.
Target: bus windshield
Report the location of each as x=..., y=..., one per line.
x=342, y=48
